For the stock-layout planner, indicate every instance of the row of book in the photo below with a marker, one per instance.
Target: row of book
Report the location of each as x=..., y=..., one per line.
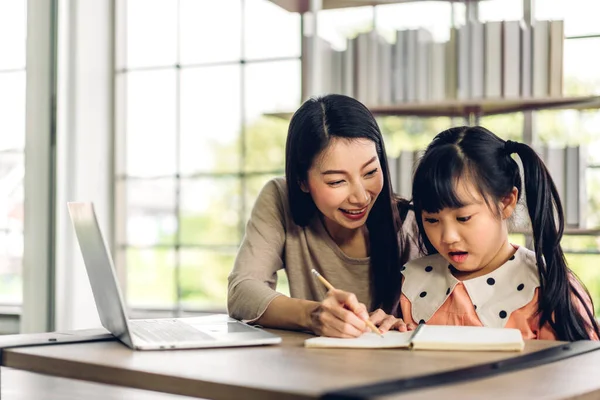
x=567, y=166
x=491, y=60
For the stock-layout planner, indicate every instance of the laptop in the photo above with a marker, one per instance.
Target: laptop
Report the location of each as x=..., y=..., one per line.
x=218, y=330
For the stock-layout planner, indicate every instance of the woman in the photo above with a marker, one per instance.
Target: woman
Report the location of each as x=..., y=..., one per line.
x=335, y=212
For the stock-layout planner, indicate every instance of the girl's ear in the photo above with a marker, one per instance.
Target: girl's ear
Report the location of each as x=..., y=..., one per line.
x=303, y=186
x=509, y=203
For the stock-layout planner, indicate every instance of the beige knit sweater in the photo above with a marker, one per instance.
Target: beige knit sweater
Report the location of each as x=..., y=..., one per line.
x=273, y=241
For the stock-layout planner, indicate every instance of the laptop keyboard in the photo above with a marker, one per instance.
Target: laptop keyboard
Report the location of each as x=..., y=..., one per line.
x=166, y=331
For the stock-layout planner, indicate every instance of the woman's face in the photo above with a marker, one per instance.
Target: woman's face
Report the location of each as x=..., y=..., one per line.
x=344, y=182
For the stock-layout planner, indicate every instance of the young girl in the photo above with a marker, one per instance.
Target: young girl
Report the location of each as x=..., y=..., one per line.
x=465, y=188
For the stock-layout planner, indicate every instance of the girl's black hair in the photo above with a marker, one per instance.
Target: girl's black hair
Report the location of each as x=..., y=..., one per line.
x=485, y=161
x=311, y=129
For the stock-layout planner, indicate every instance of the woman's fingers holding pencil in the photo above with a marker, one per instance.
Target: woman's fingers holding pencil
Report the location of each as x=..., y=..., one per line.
x=346, y=307
x=350, y=302
x=327, y=324
x=340, y=315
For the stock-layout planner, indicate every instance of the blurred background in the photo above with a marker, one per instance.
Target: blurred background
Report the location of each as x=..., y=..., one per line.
x=171, y=115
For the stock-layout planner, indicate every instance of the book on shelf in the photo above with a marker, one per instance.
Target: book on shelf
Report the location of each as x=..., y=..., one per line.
x=512, y=59
x=526, y=57
x=348, y=68
x=373, y=70
x=431, y=337
x=411, y=65
x=451, y=65
x=463, y=90
x=423, y=67
x=385, y=72
x=361, y=68
x=437, y=83
x=401, y=171
x=477, y=59
x=575, y=187
x=554, y=158
x=557, y=38
x=491, y=61
x=399, y=67
x=567, y=167
x=541, y=58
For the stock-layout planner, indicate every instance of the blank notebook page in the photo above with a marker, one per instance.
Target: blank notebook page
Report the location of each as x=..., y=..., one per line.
x=467, y=338
x=369, y=340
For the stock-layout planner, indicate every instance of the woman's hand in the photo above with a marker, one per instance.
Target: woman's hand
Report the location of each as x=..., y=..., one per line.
x=340, y=314
x=386, y=322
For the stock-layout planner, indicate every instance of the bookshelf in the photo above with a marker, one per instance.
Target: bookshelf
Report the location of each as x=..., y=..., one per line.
x=536, y=89
x=302, y=6
x=466, y=108
x=417, y=76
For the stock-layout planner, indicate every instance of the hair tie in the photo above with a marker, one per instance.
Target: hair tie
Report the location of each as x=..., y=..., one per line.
x=510, y=147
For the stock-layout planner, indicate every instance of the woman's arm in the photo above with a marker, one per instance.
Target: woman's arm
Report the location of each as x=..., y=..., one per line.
x=288, y=313
x=253, y=280
x=339, y=315
x=251, y=293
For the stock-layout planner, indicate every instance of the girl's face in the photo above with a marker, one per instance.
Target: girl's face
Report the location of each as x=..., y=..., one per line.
x=473, y=238
x=344, y=182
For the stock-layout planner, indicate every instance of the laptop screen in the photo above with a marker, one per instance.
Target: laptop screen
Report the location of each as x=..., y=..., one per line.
x=100, y=270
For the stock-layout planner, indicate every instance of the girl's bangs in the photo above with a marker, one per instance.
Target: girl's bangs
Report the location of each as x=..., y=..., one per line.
x=436, y=180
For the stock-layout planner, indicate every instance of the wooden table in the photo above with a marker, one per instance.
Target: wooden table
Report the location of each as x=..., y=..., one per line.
x=22, y=385
x=289, y=370
x=573, y=378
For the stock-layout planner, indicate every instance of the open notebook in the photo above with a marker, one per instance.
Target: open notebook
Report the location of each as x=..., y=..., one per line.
x=432, y=337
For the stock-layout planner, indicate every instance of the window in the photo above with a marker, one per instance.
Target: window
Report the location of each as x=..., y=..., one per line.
x=194, y=146
x=552, y=128
x=195, y=81
x=12, y=147
x=578, y=128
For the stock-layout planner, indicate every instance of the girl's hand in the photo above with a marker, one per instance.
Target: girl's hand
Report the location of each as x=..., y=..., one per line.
x=340, y=314
x=387, y=322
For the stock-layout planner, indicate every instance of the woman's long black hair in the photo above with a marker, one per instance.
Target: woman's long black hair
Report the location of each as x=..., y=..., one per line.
x=311, y=129
x=485, y=160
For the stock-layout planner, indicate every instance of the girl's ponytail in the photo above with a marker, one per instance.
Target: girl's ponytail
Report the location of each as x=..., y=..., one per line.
x=547, y=221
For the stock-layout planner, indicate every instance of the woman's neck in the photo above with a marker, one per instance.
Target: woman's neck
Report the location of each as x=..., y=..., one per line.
x=353, y=242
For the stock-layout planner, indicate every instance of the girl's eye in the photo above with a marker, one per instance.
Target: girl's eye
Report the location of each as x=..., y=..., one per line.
x=335, y=183
x=371, y=173
x=430, y=220
x=463, y=219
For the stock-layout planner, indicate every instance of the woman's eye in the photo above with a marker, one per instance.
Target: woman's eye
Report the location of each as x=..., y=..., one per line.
x=335, y=183
x=430, y=220
x=463, y=219
x=371, y=173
